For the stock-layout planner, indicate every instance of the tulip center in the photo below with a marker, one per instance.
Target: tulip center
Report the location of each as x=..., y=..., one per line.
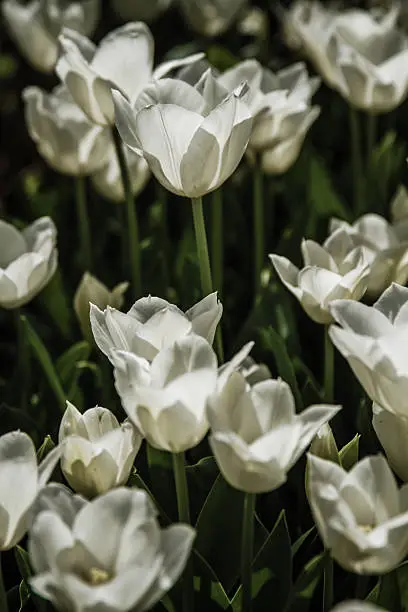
x=96, y=576
x=366, y=528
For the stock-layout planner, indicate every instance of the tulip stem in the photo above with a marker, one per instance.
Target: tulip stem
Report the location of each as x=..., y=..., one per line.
x=183, y=507
x=216, y=239
x=204, y=259
x=132, y=220
x=259, y=227
x=247, y=550
x=3, y=594
x=84, y=230
x=328, y=584
x=357, y=163
x=371, y=137
x=328, y=366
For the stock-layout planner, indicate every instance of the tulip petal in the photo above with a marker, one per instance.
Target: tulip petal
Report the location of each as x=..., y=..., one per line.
x=360, y=318
x=48, y=536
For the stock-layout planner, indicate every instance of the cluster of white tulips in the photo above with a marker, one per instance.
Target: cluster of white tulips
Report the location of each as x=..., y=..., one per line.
x=98, y=539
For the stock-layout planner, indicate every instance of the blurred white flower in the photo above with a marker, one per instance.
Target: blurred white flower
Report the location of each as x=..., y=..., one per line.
x=58, y=498
x=211, y=17
x=256, y=435
x=360, y=54
x=90, y=289
x=64, y=136
x=361, y=515
x=191, y=146
x=21, y=479
x=166, y=399
x=355, y=605
x=108, y=180
x=329, y=274
x=392, y=432
x=97, y=453
x=140, y=10
x=373, y=339
x=28, y=259
x=35, y=26
x=153, y=324
x=123, y=61
x=112, y=555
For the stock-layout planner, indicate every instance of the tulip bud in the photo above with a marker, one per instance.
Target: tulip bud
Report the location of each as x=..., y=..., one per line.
x=324, y=445
x=90, y=289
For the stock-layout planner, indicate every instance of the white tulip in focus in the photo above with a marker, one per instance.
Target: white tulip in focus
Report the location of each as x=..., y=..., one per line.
x=192, y=146
x=383, y=250
x=330, y=273
x=90, y=289
x=64, y=136
x=211, y=17
x=361, y=515
x=122, y=61
x=256, y=435
x=166, y=399
x=360, y=54
x=35, y=26
x=97, y=453
x=357, y=605
x=28, y=260
x=108, y=180
x=153, y=324
x=140, y=10
x=111, y=556
x=21, y=480
x=373, y=339
x=392, y=432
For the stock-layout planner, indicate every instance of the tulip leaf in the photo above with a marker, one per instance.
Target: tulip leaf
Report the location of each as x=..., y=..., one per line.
x=349, y=453
x=54, y=301
x=162, y=480
x=135, y=480
x=25, y=595
x=323, y=198
x=389, y=595
x=302, y=539
x=201, y=477
x=209, y=593
x=46, y=447
x=219, y=532
x=69, y=367
x=272, y=571
x=306, y=583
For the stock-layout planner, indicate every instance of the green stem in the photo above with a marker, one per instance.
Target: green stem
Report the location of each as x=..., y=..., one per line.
x=357, y=163
x=371, y=136
x=183, y=507
x=259, y=224
x=361, y=586
x=328, y=584
x=328, y=366
x=3, y=595
x=217, y=254
x=84, y=229
x=132, y=220
x=164, y=230
x=23, y=361
x=247, y=550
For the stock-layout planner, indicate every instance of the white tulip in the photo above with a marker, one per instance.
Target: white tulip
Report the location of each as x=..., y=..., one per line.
x=97, y=453
x=357, y=606
x=57, y=498
x=28, y=259
x=166, y=399
x=21, y=480
x=35, y=26
x=373, y=340
x=383, y=250
x=90, y=289
x=153, y=324
x=359, y=54
x=192, y=147
x=392, y=432
x=256, y=435
x=329, y=274
x=108, y=180
x=123, y=61
x=113, y=556
x=135, y=10
x=361, y=515
x=211, y=17
x=64, y=136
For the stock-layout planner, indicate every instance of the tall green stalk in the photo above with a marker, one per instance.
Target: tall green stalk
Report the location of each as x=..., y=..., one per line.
x=84, y=229
x=356, y=160
x=3, y=595
x=371, y=136
x=328, y=584
x=259, y=225
x=217, y=253
x=328, y=366
x=132, y=220
x=183, y=507
x=247, y=550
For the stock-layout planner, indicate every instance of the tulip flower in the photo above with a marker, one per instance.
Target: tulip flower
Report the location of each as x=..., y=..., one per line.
x=113, y=556
x=97, y=453
x=392, y=432
x=90, y=289
x=211, y=17
x=57, y=498
x=64, y=136
x=28, y=260
x=373, y=340
x=329, y=274
x=140, y=10
x=256, y=435
x=357, y=606
x=35, y=26
x=166, y=399
x=21, y=481
x=153, y=324
x=361, y=515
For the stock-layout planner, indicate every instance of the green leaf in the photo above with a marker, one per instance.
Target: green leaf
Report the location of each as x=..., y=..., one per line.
x=136, y=481
x=25, y=595
x=70, y=366
x=54, y=301
x=46, y=447
x=389, y=595
x=306, y=584
x=209, y=593
x=325, y=201
x=349, y=453
x=200, y=477
x=161, y=479
x=302, y=539
x=45, y=361
x=219, y=527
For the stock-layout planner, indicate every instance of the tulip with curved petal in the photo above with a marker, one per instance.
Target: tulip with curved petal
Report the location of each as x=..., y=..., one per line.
x=112, y=556
x=361, y=515
x=28, y=259
x=392, y=432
